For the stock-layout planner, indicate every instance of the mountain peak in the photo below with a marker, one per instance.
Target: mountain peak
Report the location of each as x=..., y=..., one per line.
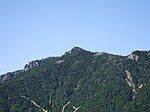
x=77, y=49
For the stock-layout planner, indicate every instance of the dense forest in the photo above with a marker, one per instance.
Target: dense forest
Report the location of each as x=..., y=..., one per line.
x=92, y=81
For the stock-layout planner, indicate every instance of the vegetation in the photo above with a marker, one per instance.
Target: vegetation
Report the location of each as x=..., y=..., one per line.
x=94, y=81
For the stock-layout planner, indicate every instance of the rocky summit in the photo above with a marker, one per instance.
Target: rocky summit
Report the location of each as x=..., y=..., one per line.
x=79, y=81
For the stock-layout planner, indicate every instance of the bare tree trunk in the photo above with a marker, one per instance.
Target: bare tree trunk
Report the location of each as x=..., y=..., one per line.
x=34, y=103
x=50, y=104
x=75, y=109
x=63, y=109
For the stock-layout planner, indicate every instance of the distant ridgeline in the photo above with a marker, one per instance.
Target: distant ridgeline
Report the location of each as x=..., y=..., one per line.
x=91, y=81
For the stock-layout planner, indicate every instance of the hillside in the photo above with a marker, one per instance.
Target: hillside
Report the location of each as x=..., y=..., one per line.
x=92, y=81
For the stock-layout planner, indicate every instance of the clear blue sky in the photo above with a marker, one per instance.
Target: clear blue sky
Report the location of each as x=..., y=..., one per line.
x=35, y=29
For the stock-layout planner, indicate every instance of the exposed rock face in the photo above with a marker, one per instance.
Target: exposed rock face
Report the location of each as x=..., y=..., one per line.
x=98, y=53
x=32, y=64
x=133, y=57
x=130, y=82
x=8, y=76
x=60, y=61
x=136, y=55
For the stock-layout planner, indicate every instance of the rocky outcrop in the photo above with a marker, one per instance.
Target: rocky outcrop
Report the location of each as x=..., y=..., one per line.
x=136, y=55
x=7, y=76
x=131, y=84
x=133, y=57
x=60, y=61
x=98, y=53
x=32, y=64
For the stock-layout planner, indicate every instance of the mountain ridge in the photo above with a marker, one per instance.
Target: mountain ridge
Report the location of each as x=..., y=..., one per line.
x=93, y=81
x=76, y=48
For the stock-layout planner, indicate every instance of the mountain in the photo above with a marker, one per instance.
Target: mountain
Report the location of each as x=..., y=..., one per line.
x=80, y=79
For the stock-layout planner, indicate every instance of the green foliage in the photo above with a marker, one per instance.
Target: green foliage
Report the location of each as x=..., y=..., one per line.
x=94, y=82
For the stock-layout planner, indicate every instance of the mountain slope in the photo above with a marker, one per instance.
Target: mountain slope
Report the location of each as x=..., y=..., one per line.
x=98, y=82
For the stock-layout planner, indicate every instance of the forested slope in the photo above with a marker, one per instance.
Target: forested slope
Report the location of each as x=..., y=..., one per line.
x=93, y=81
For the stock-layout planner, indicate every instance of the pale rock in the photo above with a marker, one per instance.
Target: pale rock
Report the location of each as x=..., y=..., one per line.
x=133, y=57
x=98, y=53
x=60, y=61
x=31, y=64
x=130, y=82
x=8, y=76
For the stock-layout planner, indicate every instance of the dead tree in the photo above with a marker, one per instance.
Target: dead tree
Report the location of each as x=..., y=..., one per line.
x=34, y=103
x=50, y=105
x=65, y=106
x=75, y=109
